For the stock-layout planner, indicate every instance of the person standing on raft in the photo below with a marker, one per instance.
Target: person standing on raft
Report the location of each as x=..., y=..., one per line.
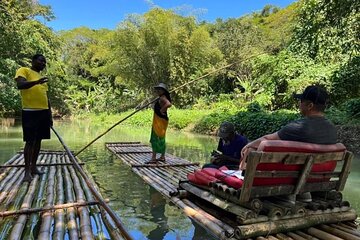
x=160, y=123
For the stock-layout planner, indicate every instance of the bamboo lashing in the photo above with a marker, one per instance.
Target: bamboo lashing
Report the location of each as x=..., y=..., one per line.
x=97, y=196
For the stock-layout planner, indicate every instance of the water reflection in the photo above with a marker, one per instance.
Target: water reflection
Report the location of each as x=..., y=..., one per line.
x=145, y=213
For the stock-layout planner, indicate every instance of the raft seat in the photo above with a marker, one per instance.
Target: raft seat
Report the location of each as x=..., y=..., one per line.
x=288, y=167
x=284, y=167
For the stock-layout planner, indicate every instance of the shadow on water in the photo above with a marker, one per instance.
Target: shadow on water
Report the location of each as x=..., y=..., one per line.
x=146, y=214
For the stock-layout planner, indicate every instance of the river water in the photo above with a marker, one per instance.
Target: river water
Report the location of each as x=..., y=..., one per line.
x=145, y=213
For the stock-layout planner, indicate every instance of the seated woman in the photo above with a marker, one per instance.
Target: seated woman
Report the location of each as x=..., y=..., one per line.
x=229, y=148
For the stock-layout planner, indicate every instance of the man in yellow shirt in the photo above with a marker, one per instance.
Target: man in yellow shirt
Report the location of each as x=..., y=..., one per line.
x=36, y=112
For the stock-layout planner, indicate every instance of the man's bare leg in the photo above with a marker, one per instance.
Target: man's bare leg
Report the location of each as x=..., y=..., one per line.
x=28, y=153
x=34, y=157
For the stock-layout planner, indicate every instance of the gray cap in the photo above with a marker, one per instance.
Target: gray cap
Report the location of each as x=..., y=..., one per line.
x=162, y=85
x=226, y=129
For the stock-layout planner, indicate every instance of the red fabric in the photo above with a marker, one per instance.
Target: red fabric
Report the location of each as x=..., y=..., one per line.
x=233, y=181
x=207, y=175
x=292, y=146
x=210, y=171
x=201, y=178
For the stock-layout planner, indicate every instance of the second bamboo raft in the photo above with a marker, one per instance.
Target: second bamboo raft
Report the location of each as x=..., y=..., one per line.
x=165, y=178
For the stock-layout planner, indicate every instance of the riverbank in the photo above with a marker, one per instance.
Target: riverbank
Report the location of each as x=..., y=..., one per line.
x=252, y=124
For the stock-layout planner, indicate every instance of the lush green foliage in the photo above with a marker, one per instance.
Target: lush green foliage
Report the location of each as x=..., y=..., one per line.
x=274, y=52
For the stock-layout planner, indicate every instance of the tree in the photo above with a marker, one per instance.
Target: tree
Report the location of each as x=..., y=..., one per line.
x=164, y=47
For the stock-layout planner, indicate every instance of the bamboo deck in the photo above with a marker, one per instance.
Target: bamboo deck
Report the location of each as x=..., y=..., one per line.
x=165, y=177
x=55, y=205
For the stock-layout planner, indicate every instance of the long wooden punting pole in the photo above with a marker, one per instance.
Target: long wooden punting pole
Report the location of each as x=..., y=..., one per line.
x=122, y=120
x=97, y=196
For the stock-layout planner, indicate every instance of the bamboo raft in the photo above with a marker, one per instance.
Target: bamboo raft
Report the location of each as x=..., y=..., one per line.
x=56, y=205
x=227, y=220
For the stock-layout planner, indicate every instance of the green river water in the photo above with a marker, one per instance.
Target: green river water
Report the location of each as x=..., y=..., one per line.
x=145, y=213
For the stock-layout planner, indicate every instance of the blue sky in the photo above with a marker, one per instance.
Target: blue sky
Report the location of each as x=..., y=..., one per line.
x=108, y=13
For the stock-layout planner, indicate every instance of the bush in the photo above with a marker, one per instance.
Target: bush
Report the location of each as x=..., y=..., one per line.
x=209, y=123
x=352, y=108
x=251, y=124
x=256, y=124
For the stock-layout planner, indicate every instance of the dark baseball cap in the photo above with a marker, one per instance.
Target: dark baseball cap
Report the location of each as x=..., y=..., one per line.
x=314, y=94
x=226, y=129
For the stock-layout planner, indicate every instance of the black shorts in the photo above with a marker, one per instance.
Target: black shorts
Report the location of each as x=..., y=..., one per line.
x=36, y=125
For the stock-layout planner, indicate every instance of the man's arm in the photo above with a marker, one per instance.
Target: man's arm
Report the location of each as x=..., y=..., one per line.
x=254, y=145
x=22, y=83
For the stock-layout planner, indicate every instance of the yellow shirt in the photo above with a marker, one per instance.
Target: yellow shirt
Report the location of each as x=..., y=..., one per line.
x=36, y=96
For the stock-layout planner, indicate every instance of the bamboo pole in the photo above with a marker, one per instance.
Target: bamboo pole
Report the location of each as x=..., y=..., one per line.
x=8, y=181
x=282, y=236
x=48, y=209
x=200, y=218
x=85, y=224
x=117, y=123
x=212, y=218
x=306, y=236
x=110, y=225
x=94, y=210
x=59, y=229
x=295, y=236
x=18, y=228
x=32, y=223
x=97, y=196
x=9, y=192
x=345, y=229
x=241, y=212
x=15, y=159
x=7, y=223
x=321, y=234
x=13, y=200
x=71, y=212
x=39, y=165
x=165, y=165
x=338, y=232
x=258, y=229
x=46, y=217
x=152, y=177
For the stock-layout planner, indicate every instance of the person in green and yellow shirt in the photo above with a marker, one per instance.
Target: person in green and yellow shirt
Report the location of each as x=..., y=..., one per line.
x=36, y=111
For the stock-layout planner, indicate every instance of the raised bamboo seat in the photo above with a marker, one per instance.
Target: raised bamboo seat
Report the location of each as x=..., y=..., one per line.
x=305, y=169
x=273, y=172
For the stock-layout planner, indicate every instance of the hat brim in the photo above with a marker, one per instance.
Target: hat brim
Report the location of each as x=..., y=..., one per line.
x=158, y=87
x=298, y=96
